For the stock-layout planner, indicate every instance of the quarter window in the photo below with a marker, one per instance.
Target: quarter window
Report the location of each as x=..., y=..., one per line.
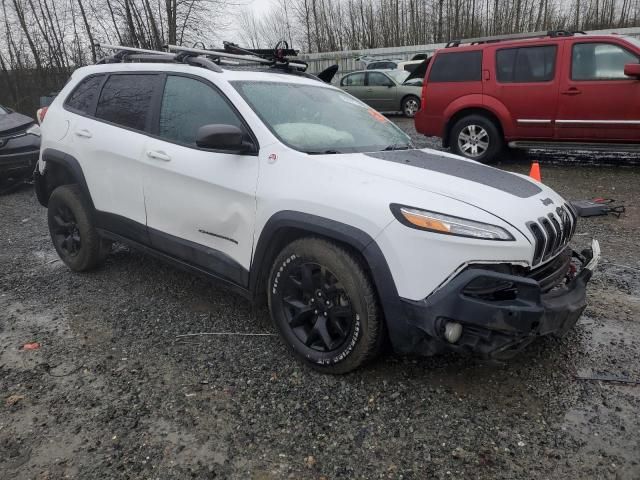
x=527, y=64
x=187, y=105
x=84, y=96
x=354, y=80
x=457, y=67
x=126, y=100
x=599, y=61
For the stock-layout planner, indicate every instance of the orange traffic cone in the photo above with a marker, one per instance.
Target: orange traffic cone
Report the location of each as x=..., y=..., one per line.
x=535, y=171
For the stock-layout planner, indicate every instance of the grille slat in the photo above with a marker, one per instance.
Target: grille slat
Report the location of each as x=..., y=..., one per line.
x=552, y=233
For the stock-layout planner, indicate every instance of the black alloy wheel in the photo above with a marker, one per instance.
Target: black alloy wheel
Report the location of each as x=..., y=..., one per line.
x=65, y=232
x=324, y=304
x=317, y=307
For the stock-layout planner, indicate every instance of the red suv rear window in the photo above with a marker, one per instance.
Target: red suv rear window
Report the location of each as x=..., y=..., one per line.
x=457, y=67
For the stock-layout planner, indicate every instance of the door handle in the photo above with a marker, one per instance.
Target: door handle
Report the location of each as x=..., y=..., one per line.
x=369, y=89
x=84, y=133
x=158, y=155
x=572, y=91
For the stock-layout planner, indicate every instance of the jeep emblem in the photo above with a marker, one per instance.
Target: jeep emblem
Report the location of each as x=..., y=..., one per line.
x=546, y=201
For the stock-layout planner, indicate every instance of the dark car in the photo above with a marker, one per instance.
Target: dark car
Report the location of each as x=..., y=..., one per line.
x=19, y=144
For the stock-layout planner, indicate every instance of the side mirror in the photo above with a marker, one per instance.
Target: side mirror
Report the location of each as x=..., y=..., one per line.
x=632, y=70
x=228, y=138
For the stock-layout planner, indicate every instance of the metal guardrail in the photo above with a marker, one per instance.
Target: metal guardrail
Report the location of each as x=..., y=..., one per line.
x=347, y=62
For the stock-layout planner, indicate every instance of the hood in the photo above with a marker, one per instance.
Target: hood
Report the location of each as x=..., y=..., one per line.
x=515, y=199
x=420, y=71
x=328, y=73
x=14, y=122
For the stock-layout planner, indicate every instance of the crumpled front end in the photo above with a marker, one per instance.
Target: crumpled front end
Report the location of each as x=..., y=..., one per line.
x=495, y=311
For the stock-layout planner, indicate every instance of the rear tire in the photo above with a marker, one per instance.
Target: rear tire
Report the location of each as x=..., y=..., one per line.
x=72, y=230
x=410, y=106
x=477, y=138
x=325, y=307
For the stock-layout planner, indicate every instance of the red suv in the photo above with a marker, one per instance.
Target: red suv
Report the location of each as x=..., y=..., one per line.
x=553, y=90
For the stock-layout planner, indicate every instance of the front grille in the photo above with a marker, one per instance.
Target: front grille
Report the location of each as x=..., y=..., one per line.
x=552, y=233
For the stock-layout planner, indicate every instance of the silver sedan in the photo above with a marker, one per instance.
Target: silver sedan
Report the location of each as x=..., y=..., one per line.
x=385, y=90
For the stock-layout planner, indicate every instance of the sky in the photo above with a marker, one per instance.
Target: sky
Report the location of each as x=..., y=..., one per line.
x=260, y=6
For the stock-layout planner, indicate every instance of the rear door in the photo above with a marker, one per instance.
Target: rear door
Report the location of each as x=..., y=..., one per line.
x=597, y=101
x=354, y=83
x=526, y=84
x=108, y=135
x=200, y=203
x=381, y=92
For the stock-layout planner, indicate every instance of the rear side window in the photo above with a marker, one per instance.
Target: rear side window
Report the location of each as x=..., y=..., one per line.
x=457, y=67
x=526, y=64
x=126, y=100
x=354, y=80
x=187, y=105
x=599, y=61
x=84, y=96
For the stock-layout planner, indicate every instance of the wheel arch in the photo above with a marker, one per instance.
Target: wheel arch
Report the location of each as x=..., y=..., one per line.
x=477, y=110
x=286, y=226
x=407, y=95
x=60, y=169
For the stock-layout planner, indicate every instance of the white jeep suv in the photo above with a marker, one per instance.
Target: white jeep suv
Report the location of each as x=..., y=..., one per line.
x=282, y=186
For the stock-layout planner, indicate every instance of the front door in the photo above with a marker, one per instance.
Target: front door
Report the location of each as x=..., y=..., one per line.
x=381, y=92
x=200, y=203
x=597, y=101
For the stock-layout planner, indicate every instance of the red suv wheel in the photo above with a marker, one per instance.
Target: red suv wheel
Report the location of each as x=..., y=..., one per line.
x=476, y=137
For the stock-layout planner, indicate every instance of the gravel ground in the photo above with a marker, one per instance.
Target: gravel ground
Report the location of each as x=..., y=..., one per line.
x=114, y=393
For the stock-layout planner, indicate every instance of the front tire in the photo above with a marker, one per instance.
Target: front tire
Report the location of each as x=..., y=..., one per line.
x=324, y=306
x=476, y=137
x=72, y=231
x=410, y=106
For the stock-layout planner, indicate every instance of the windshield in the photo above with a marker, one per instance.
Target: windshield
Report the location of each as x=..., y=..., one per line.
x=398, y=75
x=317, y=119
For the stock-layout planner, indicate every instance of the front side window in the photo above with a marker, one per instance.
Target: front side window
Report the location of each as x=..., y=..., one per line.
x=526, y=64
x=353, y=80
x=187, y=105
x=126, y=100
x=84, y=96
x=377, y=79
x=599, y=61
x=318, y=119
x=457, y=67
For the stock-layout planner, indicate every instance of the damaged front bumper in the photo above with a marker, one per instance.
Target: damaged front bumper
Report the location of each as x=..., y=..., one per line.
x=495, y=314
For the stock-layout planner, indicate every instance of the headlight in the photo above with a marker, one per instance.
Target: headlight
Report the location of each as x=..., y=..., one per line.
x=448, y=224
x=33, y=130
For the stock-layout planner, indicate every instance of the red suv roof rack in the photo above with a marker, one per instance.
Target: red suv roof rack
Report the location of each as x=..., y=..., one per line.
x=513, y=36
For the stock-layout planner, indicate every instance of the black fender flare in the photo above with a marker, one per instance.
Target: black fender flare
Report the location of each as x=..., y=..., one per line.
x=357, y=239
x=70, y=164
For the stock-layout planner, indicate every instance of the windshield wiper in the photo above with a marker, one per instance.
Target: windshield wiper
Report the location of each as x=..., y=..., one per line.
x=325, y=152
x=397, y=146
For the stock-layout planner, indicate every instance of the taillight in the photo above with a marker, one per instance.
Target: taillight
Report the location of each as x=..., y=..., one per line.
x=41, y=113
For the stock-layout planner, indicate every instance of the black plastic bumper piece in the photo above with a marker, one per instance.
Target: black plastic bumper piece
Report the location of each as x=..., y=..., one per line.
x=500, y=314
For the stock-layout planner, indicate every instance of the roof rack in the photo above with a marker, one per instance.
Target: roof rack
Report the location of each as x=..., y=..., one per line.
x=514, y=36
x=211, y=59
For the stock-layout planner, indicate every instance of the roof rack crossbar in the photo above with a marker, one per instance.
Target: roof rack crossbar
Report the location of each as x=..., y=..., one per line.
x=512, y=36
x=210, y=59
x=215, y=53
